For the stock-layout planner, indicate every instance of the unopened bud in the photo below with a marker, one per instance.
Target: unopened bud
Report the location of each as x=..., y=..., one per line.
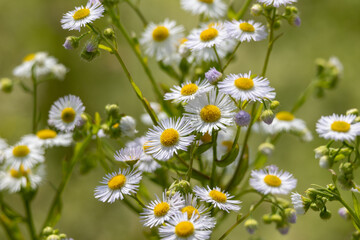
x=242, y=118
x=71, y=42
x=112, y=110
x=256, y=10
x=62, y=236
x=321, y=151
x=295, y=20
x=283, y=230
x=251, y=225
x=291, y=215
x=47, y=231
x=274, y=104
x=325, y=215
x=343, y=212
x=266, y=148
x=90, y=51
x=53, y=237
x=213, y=75
x=353, y=111
x=267, y=116
x=109, y=33
x=324, y=162
x=267, y=218
x=6, y=85
x=277, y=24
x=276, y=218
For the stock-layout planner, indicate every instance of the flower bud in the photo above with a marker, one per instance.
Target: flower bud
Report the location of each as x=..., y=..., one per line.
x=357, y=119
x=53, y=237
x=277, y=24
x=242, y=118
x=291, y=215
x=267, y=116
x=71, y=42
x=256, y=10
x=251, y=225
x=321, y=151
x=47, y=231
x=339, y=157
x=295, y=20
x=266, y=148
x=353, y=111
x=213, y=75
x=343, y=212
x=276, y=218
x=6, y=85
x=324, y=162
x=325, y=215
x=267, y=218
x=128, y=126
x=62, y=236
x=283, y=229
x=112, y=110
x=274, y=104
x=109, y=33
x=90, y=51
x=311, y=193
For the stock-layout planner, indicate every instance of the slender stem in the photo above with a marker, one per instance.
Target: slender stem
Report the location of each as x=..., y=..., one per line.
x=204, y=176
x=34, y=93
x=138, y=12
x=218, y=59
x=29, y=218
x=213, y=169
x=243, y=9
x=131, y=206
x=192, y=150
x=351, y=212
x=138, y=200
x=232, y=56
x=270, y=45
x=304, y=95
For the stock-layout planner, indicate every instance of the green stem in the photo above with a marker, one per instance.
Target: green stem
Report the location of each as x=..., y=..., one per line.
x=138, y=12
x=138, y=200
x=232, y=56
x=203, y=176
x=213, y=169
x=270, y=45
x=243, y=9
x=218, y=59
x=34, y=93
x=303, y=97
x=192, y=150
x=351, y=211
x=29, y=218
x=131, y=206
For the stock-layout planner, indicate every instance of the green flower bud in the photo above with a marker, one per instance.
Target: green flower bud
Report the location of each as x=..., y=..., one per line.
x=321, y=151
x=267, y=116
x=90, y=51
x=276, y=218
x=71, y=42
x=266, y=148
x=47, y=231
x=294, y=9
x=339, y=157
x=62, y=236
x=6, y=85
x=109, y=33
x=112, y=110
x=251, y=225
x=357, y=119
x=290, y=213
x=53, y=237
x=274, y=104
x=256, y=10
x=277, y=24
x=267, y=218
x=324, y=162
x=325, y=215
x=311, y=193
x=314, y=207
x=353, y=111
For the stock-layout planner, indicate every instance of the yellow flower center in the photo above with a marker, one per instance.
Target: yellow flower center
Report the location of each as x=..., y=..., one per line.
x=183, y=40
x=285, y=116
x=29, y=57
x=228, y=145
x=207, y=1
x=21, y=151
x=210, y=113
x=246, y=27
x=81, y=13
x=160, y=33
x=68, y=115
x=189, y=89
x=272, y=180
x=208, y=34
x=340, y=126
x=116, y=125
x=161, y=209
x=46, y=134
x=146, y=146
x=244, y=83
x=117, y=182
x=169, y=137
x=184, y=229
x=19, y=173
x=218, y=196
x=190, y=210
x=206, y=138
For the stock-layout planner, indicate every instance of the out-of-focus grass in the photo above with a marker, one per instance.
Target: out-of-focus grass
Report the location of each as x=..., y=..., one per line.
x=329, y=27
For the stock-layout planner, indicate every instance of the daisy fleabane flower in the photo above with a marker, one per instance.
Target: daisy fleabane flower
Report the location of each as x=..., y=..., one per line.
x=210, y=8
x=272, y=180
x=117, y=184
x=161, y=40
x=180, y=227
x=81, y=16
x=160, y=210
x=277, y=3
x=286, y=122
x=246, y=30
x=66, y=112
x=169, y=136
x=244, y=87
x=338, y=127
x=210, y=111
x=24, y=154
x=210, y=36
x=188, y=91
x=218, y=198
x=129, y=155
x=48, y=138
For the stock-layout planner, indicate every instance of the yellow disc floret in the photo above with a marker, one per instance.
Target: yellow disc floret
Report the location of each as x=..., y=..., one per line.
x=207, y=1
x=29, y=57
x=272, y=180
x=208, y=34
x=46, y=134
x=19, y=173
x=81, y=13
x=244, y=83
x=189, y=89
x=117, y=182
x=190, y=210
x=184, y=229
x=21, y=151
x=169, y=137
x=285, y=116
x=228, y=145
x=218, y=196
x=246, y=27
x=210, y=113
x=340, y=126
x=206, y=138
x=161, y=209
x=68, y=115
x=160, y=33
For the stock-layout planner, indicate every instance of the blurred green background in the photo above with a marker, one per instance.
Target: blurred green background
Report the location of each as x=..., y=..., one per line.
x=329, y=27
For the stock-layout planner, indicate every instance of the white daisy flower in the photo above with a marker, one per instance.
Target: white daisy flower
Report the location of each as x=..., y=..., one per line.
x=210, y=8
x=81, y=16
x=277, y=3
x=210, y=111
x=158, y=211
x=286, y=122
x=218, y=198
x=244, y=87
x=168, y=137
x=129, y=155
x=160, y=40
x=48, y=138
x=210, y=36
x=179, y=227
x=246, y=30
x=188, y=91
x=298, y=203
x=3, y=146
x=192, y=207
x=128, y=126
x=24, y=153
x=338, y=127
x=66, y=112
x=146, y=119
x=118, y=184
x=272, y=180
x=13, y=180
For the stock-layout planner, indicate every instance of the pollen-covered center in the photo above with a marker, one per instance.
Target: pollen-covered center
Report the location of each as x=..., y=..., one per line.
x=161, y=209
x=81, y=13
x=68, y=115
x=29, y=57
x=207, y=1
x=184, y=229
x=169, y=137
x=190, y=210
x=246, y=27
x=160, y=33
x=189, y=89
x=272, y=180
x=218, y=196
x=244, y=83
x=285, y=116
x=21, y=151
x=340, y=126
x=46, y=134
x=208, y=34
x=206, y=138
x=116, y=125
x=228, y=145
x=210, y=113
x=117, y=182
x=19, y=173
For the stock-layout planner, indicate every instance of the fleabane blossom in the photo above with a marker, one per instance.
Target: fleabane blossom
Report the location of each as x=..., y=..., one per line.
x=26, y=154
x=212, y=35
x=246, y=30
x=277, y=3
x=48, y=138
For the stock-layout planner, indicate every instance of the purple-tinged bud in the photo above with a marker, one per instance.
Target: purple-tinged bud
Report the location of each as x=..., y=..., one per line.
x=283, y=230
x=251, y=225
x=291, y=215
x=213, y=75
x=343, y=212
x=267, y=116
x=295, y=20
x=71, y=42
x=242, y=118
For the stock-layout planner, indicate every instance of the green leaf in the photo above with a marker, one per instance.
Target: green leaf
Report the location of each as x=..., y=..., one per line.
x=356, y=205
x=203, y=148
x=229, y=158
